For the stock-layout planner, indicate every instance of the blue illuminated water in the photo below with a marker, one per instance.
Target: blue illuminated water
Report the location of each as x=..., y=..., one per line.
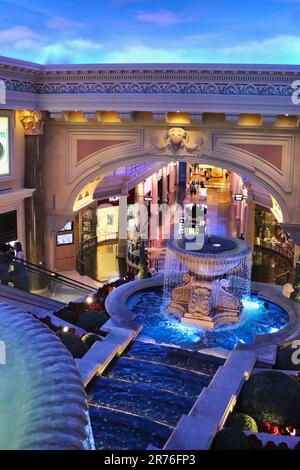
x=256, y=319
x=144, y=393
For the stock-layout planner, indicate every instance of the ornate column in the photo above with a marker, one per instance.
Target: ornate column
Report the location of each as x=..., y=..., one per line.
x=33, y=123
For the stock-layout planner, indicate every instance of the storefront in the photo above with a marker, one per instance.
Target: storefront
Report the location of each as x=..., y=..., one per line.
x=270, y=235
x=107, y=223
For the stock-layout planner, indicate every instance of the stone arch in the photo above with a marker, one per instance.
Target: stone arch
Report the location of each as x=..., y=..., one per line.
x=213, y=158
x=92, y=179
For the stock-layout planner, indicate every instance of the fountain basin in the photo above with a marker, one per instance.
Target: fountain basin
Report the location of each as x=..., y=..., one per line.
x=221, y=255
x=161, y=328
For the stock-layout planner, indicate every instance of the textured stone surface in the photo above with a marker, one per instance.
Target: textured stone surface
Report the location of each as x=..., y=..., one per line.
x=43, y=402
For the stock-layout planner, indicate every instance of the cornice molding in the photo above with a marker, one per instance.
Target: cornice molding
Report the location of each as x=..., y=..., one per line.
x=180, y=76
x=54, y=84
x=15, y=195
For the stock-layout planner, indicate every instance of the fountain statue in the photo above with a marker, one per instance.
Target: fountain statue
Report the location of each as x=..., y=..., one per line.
x=207, y=285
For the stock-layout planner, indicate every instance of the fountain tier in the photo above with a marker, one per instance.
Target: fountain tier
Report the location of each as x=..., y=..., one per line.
x=207, y=285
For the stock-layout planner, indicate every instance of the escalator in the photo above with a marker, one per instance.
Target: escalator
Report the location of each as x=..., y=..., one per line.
x=22, y=281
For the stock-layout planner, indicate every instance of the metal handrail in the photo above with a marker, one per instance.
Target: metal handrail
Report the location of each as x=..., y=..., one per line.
x=51, y=274
x=278, y=276
x=281, y=276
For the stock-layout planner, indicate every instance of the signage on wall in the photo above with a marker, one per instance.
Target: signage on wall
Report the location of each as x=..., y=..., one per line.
x=240, y=197
x=4, y=146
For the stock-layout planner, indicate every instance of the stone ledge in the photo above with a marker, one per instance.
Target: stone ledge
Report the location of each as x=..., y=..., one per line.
x=209, y=413
x=100, y=355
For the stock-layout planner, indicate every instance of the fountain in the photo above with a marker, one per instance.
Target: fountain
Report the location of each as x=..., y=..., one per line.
x=207, y=285
x=42, y=398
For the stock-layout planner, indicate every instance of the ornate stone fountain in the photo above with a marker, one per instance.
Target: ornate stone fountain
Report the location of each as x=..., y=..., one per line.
x=207, y=285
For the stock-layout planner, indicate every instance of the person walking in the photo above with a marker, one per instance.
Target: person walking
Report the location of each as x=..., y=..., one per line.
x=19, y=251
x=6, y=257
x=20, y=281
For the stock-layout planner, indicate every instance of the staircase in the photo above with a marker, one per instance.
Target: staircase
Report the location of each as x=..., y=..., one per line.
x=196, y=431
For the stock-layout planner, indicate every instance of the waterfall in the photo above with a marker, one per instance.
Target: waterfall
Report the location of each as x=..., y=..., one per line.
x=173, y=275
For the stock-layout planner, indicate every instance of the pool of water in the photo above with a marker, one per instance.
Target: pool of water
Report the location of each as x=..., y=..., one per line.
x=150, y=309
x=143, y=394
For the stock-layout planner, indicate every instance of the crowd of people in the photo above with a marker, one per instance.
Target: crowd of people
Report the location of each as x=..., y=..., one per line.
x=195, y=185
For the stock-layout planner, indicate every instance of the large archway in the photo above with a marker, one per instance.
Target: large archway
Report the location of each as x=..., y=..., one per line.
x=83, y=193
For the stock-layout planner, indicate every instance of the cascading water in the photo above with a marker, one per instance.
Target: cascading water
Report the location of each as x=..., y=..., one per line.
x=207, y=286
x=173, y=275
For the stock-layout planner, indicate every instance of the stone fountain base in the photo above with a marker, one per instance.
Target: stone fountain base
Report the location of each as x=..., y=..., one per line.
x=206, y=303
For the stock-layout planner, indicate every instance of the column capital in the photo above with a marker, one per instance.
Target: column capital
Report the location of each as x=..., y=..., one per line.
x=33, y=121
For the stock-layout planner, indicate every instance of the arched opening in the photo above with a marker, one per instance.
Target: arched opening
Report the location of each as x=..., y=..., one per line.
x=98, y=221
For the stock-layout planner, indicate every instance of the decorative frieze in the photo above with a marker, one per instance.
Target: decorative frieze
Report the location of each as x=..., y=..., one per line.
x=142, y=87
x=101, y=79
